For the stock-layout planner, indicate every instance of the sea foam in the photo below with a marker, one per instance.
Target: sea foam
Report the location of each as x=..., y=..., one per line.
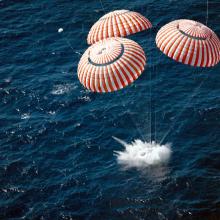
x=143, y=154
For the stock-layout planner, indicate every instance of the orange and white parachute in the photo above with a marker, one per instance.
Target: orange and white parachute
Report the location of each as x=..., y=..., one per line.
x=119, y=23
x=189, y=42
x=111, y=64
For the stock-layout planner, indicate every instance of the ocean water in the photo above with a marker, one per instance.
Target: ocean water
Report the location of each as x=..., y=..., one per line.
x=58, y=157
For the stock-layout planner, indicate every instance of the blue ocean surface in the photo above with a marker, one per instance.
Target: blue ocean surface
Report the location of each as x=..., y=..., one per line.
x=58, y=159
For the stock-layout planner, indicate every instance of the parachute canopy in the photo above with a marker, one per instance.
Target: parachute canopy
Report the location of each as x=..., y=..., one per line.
x=189, y=42
x=111, y=64
x=119, y=23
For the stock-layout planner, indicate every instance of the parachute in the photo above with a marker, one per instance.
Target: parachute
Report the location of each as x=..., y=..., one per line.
x=111, y=64
x=189, y=42
x=119, y=23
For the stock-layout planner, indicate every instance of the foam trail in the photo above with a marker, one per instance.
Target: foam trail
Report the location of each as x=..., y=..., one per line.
x=143, y=154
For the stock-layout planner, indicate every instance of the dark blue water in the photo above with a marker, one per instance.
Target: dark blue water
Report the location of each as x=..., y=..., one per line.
x=56, y=149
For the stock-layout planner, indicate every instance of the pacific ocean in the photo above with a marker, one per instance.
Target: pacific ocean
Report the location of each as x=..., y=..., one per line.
x=58, y=159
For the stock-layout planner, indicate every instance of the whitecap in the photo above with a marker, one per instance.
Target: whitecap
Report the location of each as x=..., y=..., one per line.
x=60, y=30
x=8, y=80
x=77, y=125
x=16, y=189
x=85, y=98
x=62, y=89
x=25, y=116
x=143, y=154
x=51, y=112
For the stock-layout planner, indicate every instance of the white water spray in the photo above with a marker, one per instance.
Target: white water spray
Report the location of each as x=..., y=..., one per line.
x=143, y=154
